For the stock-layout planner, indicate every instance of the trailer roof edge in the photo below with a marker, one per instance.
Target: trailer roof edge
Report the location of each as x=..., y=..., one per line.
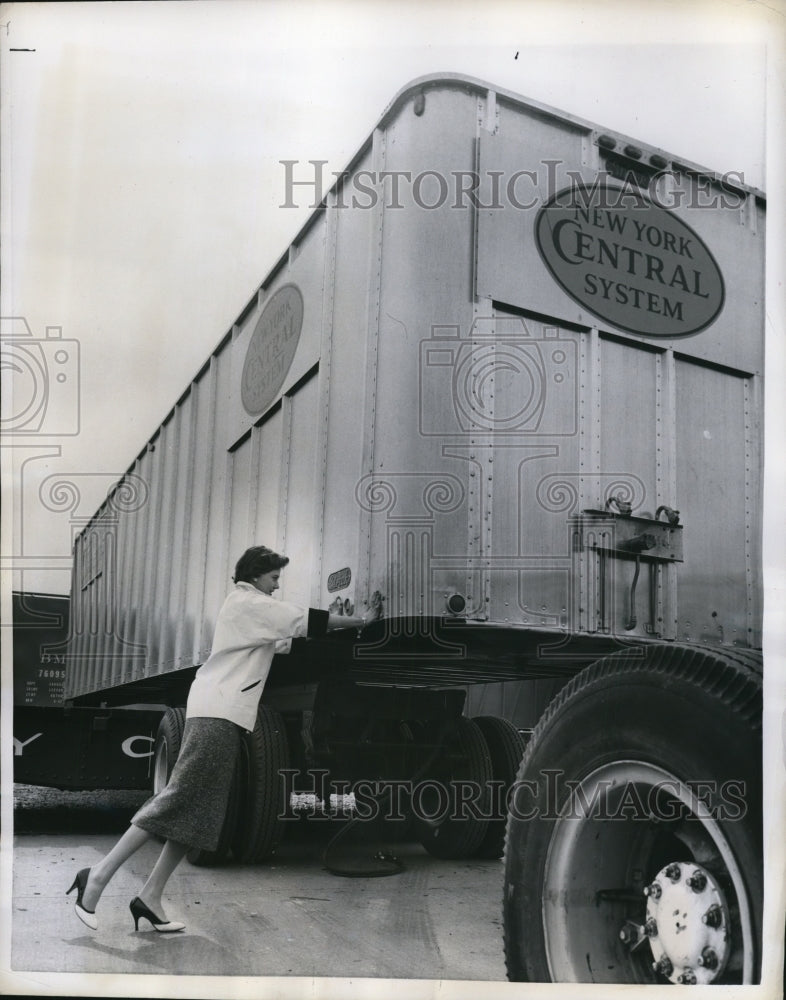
x=415, y=86
x=547, y=110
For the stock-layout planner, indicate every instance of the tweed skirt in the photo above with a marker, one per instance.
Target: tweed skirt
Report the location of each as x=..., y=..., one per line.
x=190, y=809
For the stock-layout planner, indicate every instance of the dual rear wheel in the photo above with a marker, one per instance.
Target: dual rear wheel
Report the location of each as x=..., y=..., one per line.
x=460, y=805
x=459, y=810
x=254, y=818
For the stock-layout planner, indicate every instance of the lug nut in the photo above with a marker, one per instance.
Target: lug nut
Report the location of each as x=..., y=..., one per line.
x=688, y=978
x=663, y=966
x=697, y=881
x=654, y=890
x=651, y=928
x=629, y=934
x=713, y=917
x=708, y=958
x=673, y=872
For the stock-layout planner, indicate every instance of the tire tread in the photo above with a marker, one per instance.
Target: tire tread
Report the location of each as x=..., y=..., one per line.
x=260, y=827
x=732, y=677
x=506, y=747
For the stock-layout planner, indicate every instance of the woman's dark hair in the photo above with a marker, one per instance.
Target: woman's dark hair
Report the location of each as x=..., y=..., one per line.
x=256, y=561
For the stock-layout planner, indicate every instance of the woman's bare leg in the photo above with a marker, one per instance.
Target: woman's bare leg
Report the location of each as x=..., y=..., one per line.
x=170, y=857
x=102, y=871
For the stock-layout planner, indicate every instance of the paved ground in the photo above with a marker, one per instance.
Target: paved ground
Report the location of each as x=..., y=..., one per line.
x=436, y=920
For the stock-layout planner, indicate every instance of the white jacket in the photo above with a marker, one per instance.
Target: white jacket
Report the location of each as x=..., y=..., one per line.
x=249, y=628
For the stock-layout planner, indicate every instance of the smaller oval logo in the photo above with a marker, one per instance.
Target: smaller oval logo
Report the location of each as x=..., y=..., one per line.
x=629, y=261
x=272, y=349
x=339, y=580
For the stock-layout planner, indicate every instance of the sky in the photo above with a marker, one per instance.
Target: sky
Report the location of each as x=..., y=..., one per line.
x=142, y=184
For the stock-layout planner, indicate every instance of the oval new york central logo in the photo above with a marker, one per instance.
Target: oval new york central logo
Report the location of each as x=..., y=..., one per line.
x=629, y=261
x=271, y=349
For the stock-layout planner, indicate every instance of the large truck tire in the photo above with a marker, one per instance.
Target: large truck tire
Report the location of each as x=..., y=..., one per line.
x=262, y=810
x=506, y=746
x=634, y=838
x=451, y=803
x=167, y=746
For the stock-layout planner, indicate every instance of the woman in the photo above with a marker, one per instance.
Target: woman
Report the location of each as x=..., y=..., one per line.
x=222, y=702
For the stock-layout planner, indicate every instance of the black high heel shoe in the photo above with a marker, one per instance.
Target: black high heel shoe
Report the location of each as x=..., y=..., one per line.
x=139, y=909
x=87, y=917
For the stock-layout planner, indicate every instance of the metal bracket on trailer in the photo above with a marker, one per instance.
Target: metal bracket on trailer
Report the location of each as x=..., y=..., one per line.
x=626, y=535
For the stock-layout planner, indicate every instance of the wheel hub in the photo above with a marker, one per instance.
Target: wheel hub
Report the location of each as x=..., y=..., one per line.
x=687, y=925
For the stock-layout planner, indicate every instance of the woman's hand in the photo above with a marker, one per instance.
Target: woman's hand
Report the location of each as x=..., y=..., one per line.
x=359, y=622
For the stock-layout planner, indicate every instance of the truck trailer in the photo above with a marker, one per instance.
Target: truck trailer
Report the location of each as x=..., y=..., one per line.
x=502, y=395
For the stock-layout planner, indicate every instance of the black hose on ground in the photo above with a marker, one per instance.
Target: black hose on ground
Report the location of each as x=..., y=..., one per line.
x=393, y=865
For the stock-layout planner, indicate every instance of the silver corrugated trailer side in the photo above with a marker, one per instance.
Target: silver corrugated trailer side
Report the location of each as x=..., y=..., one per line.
x=363, y=438
x=504, y=390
